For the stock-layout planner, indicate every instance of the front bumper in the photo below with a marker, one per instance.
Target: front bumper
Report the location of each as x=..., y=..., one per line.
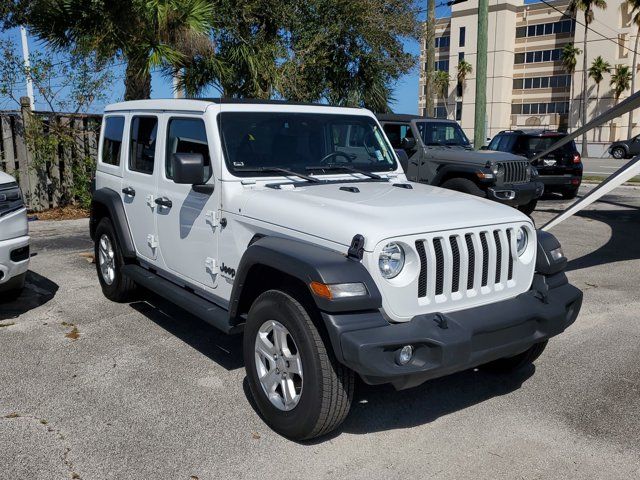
x=516, y=194
x=14, y=260
x=455, y=341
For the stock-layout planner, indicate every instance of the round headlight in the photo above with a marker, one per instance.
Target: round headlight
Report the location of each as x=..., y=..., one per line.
x=522, y=239
x=391, y=260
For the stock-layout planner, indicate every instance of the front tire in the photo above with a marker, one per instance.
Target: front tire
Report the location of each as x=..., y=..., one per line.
x=618, y=153
x=517, y=362
x=109, y=262
x=299, y=387
x=528, y=208
x=464, y=185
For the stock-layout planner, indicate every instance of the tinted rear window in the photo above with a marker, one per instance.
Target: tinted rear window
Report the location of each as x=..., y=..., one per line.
x=538, y=144
x=112, y=140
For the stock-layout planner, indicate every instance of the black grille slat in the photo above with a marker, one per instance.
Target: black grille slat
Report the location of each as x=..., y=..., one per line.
x=496, y=237
x=515, y=172
x=422, y=279
x=485, y=259
x=510, y=272
x=455, y=251
x=437, y=248
x=472, y=261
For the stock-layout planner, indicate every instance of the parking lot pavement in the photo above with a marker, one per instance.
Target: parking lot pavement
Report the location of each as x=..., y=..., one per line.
x=96, y=390
x=602, y=167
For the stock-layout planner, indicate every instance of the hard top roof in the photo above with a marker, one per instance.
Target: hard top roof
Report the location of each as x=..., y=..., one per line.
x=201, y=104
x=407, y=117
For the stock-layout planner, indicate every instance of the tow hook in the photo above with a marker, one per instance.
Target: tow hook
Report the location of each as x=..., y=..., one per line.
x=540, y=288
x=441, y=320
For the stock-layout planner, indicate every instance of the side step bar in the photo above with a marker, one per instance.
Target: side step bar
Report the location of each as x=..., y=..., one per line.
x=192, y=303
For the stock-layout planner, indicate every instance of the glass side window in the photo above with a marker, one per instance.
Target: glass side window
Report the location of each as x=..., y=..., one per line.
x=112, y=140
x=187, y=135
x=397, y=132
x=142, y=152
x=302, y=141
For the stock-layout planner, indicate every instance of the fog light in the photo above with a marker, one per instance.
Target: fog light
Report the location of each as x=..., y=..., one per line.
x=404, y=355
x=556, y=254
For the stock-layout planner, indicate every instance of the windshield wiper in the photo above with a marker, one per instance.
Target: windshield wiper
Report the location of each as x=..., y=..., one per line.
x=277, y=170
x=335, y=166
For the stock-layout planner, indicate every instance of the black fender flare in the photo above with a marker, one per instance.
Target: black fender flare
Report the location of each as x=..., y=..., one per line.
x=457, y=170
x=308, y=263
x=106, y=198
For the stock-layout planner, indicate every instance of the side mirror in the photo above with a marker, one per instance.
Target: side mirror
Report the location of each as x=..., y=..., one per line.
x=188, y=168
x=408, y=143
x=484, y=147
x=403, y=158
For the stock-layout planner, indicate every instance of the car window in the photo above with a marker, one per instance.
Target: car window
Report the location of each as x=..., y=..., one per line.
x=187, y=135
x=442, y=133
x=538, y=144
x=397, y=132
x=112, y=140
x=142, y=152
x=496, y=142
x=297, y=141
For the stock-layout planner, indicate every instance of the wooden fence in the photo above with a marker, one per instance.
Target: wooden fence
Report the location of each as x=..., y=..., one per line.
x=51, y=173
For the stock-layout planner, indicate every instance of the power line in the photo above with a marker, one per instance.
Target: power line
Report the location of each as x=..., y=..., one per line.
x=587, y=27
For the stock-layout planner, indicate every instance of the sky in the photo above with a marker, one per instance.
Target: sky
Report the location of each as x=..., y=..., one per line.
x=405, y=90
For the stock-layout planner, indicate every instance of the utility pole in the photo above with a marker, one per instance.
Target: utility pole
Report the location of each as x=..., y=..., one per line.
x=430, y=59
x=479, y=130
x=27, y=65
x=177, y=91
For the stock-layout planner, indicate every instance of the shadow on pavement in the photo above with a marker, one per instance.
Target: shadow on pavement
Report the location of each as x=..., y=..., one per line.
x=226, y=350
x=38, y=290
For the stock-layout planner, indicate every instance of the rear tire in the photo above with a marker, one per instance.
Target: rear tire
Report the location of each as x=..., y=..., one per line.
x=517, y=362
x=109, y=262
x=464, y=185
x=323, y=389
x=13, y=288
x=618, y=153
x=569, y=193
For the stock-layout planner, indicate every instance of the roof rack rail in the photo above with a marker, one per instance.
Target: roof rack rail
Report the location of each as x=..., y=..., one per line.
x=261, y=101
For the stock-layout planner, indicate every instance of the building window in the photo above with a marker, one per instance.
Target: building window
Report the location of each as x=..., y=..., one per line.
x=463, y=34
x=622, y=45
x=440, y=111
x=442, y=65
x=458, y=111
x=443, y=42
x=538, y=56
x=539, y=108
x=562, y=26
x=460, y=56
x=459, y=89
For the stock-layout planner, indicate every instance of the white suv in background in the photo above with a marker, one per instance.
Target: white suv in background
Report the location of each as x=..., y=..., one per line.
x=14, y=238
x=295, y=226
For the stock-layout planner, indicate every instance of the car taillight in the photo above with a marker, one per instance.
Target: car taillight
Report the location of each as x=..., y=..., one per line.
x=576, y=158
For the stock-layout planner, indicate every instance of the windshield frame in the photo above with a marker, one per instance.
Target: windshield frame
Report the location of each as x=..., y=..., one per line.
x=391, y=167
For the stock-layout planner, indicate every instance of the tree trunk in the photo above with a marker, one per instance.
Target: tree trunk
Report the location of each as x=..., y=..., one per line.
x=430, y=59
x=597, y=105
x=585, y=152
x=137, y=80
x=633, y=82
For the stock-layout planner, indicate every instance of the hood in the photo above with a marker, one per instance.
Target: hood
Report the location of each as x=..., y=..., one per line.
x=378, y=210
x=480, y=157
x=6, y=178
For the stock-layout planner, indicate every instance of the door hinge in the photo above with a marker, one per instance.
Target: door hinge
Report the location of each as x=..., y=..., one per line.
x=212, y=217
x=210, y=265
x=152, y=241
x=150, y=201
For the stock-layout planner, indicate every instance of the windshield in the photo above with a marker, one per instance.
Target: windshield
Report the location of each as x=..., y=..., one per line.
x=254, y=141
x=442, y=133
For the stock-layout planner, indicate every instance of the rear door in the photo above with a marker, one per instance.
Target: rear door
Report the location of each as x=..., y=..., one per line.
x=139, y=184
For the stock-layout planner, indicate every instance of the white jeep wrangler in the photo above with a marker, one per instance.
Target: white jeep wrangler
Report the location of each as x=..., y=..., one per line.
x=295, y=226
x=14, y=238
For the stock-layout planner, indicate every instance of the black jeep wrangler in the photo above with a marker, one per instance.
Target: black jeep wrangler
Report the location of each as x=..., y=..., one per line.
x=439, y=153
x=560, y=170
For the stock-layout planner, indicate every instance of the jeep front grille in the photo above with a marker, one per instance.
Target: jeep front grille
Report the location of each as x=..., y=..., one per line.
x=462, y=265
x=516, y=172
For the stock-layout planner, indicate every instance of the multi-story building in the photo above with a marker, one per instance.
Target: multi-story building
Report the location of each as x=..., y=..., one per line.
x=527, y=85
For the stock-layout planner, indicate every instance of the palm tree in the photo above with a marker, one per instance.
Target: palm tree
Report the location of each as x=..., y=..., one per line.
x=464, y=69
x=634, y=5
x=587, y=7
x=598, y=68
x=145, y=34
x=441, y=83
x=620, y=81
x=569, y=61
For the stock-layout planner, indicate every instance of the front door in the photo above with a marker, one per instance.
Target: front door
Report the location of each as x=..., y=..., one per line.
x=139, y=185
x=187, y=218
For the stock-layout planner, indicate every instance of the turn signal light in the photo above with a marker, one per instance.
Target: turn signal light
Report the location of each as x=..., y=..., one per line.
x=338, y=290
x=576, y=158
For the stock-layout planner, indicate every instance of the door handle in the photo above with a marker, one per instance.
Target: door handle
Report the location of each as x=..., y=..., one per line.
x=164, y=202
x=130, y=192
